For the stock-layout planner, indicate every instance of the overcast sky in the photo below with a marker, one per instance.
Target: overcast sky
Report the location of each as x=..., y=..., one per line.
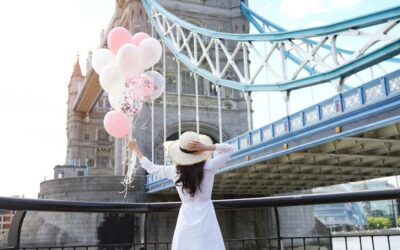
x=39, y=43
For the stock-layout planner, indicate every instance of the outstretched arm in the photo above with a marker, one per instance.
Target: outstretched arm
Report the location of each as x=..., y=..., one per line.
x=219, y=161
x=161, y=171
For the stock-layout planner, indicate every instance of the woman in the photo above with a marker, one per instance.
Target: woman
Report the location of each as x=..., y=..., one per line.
x=197, y=226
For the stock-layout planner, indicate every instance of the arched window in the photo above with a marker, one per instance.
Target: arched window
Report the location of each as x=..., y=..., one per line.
x=170, y=83
x=189, y=86
x=213, y=89
x=102, y=135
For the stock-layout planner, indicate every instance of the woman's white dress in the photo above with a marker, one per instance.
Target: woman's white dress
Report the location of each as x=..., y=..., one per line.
x=197, y=226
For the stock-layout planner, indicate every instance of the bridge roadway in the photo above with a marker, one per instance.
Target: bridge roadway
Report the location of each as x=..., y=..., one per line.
x=350, y=137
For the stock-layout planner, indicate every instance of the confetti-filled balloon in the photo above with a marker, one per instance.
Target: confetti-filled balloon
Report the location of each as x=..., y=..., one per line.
x=158, y=84
x=128, y=105
x=141, y=87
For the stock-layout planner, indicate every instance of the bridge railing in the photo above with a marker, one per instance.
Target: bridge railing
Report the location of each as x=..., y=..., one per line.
x=357, y=98
x=24, y=205
x=373, y=91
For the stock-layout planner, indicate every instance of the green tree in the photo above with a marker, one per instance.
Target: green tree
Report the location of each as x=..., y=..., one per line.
x=378, y=222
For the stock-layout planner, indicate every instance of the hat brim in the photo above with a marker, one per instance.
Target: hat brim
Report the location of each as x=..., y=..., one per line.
x=181, y=158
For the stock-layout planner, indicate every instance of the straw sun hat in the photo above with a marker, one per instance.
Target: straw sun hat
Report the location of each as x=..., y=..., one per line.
x=179, y=150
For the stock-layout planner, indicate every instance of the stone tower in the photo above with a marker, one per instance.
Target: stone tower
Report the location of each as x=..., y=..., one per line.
x=89, y=147
x=73, y=124
x=88, y=143
x=221, y=15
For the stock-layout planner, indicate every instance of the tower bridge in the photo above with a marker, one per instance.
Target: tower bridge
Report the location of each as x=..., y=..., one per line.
x=212, y=67
x=350, y=137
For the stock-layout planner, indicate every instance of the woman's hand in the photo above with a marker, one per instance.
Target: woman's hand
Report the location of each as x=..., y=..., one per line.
x=133, y=146
x=200, y=147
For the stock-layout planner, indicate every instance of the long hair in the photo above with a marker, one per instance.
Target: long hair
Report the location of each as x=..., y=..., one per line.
x=190, y=177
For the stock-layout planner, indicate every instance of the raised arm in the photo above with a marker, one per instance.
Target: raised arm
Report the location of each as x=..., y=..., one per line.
x=161, y=171
x=219, y=161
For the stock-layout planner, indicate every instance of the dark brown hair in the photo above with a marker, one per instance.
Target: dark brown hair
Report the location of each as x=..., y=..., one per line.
x=190, y=177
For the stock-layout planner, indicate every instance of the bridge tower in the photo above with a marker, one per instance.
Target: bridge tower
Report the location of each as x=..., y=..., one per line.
x=88, y=143
x=221, y=15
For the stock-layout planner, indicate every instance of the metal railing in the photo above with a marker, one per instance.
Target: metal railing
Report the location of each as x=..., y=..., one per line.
x=278, y=242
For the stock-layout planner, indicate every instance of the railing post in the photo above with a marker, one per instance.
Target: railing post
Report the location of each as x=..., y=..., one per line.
x=278, y=228
x=14, y=235
x=143, y=231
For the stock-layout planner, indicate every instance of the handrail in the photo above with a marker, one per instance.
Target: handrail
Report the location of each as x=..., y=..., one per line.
x=358, y=22
x=120, y=207
x=24, y=205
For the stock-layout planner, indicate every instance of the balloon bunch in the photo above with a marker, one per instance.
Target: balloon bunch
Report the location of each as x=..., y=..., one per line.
x=122, y=75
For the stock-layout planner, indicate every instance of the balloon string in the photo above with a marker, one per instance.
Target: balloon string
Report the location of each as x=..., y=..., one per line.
x=135, y=118
x=144, y=126
x=131, y=173
x=129, y=177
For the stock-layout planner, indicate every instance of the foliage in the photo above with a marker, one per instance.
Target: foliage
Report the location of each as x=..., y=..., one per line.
x=379, y=222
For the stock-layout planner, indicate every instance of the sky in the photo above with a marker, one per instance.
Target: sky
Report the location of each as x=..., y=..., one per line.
x=40, y=40
x=39, y=43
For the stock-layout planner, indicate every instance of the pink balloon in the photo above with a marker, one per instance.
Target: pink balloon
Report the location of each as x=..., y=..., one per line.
x=141, y=87
x=138, y=38
x=117, y=124
x=118, y=37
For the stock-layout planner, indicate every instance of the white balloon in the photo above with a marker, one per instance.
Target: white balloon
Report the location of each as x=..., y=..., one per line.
x=151, y=52
x=129, y=60
x=113, y=101
x=158, y=83
x=102, y=58
x=112, y=80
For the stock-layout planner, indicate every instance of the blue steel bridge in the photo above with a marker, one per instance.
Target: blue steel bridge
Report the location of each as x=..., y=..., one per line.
x=352, y=136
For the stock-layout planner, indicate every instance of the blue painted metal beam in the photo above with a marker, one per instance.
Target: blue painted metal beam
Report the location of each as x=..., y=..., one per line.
x=250, y=15
x=355, y=23
x=363, y=62
x=287, y=54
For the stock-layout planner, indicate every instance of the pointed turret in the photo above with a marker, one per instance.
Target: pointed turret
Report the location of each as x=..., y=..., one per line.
x=77, y=69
